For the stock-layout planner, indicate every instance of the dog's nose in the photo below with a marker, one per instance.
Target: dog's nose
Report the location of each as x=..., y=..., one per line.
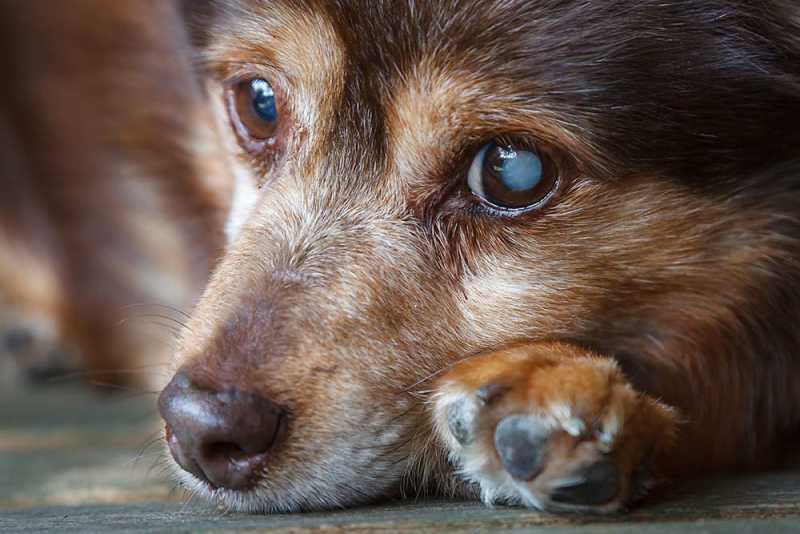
x=222, y=437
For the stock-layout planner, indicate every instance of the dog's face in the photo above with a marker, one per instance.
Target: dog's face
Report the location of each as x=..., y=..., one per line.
x=421, y=181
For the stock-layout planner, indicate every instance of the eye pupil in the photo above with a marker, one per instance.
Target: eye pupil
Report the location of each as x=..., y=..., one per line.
x=518, y=171
x=263, y=100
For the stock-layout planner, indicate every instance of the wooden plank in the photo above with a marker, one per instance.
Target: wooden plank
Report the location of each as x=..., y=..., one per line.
x=68, y=462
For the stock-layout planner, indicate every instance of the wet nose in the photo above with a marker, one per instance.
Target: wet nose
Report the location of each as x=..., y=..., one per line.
x=223, y=437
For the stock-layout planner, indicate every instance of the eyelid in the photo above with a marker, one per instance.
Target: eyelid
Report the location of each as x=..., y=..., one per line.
x=241, y=72
x=519, y=142
x=226, y=71
x=499, y=212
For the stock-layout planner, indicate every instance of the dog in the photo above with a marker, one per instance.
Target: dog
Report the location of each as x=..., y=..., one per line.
x=538, y=253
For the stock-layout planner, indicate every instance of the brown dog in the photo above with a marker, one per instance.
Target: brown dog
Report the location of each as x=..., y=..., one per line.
x=112, y=191
x=546, y=252
x=608, y=194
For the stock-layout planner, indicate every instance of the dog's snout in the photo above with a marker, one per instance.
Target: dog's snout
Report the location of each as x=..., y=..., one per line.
x=223, y=437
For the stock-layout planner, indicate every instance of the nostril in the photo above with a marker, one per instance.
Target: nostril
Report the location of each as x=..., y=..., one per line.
x=228, y=465
x=229, y=451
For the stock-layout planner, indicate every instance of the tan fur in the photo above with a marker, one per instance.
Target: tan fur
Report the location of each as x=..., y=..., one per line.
x=342, y=261
x=640, y=314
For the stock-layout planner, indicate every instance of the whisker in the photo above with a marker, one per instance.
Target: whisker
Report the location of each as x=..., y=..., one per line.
x=188, y=502
x=88, y=374
x=144, y=454
x=123, y=388
x=428, y=377
x=173, y=329
x=162, y=464
x=451, y=365
x=157, y=305
x=151, y=440
x=159, y=316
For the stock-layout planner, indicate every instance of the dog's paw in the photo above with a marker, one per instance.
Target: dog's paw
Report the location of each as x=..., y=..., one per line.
x=552, y=427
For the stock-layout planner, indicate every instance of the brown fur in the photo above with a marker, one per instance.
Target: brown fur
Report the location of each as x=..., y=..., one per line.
x=670, y=247
x=359, y=268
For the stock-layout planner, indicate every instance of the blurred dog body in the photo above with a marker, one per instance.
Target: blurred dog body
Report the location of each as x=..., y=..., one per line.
x=113, y=192
x=387, y=314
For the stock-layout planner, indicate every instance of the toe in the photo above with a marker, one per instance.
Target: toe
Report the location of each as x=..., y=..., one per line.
x=597, y=484
x=490, y=392
x=461, y=420
x=520, y=440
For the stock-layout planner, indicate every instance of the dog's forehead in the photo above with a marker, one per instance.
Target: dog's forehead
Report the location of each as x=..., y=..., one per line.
x=512, y=39
x=436, y=68
x=640, y=84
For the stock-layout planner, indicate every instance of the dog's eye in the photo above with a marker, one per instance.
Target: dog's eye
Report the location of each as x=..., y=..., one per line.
x=253, y=109
x=511, y=178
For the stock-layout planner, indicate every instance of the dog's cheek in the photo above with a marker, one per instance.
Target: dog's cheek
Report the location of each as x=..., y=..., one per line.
x=602, y=253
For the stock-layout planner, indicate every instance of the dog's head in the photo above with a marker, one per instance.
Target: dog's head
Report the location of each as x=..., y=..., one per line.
x=421, y=181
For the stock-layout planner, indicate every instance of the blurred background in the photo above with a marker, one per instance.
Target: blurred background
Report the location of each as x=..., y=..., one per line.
x=112, y=197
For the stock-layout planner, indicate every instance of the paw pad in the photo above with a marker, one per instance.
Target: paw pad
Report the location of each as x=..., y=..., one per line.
x=461, y=420
x=520, y=441
x=597, y=484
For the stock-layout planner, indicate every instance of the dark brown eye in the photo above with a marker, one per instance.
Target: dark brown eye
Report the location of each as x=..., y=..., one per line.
x=509, y=177
x=253, y=109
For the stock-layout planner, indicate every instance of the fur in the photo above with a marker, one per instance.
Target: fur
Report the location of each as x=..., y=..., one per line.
x=360, y=278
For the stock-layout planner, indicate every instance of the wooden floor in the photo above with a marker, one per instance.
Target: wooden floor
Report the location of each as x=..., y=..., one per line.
x=75, y=462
